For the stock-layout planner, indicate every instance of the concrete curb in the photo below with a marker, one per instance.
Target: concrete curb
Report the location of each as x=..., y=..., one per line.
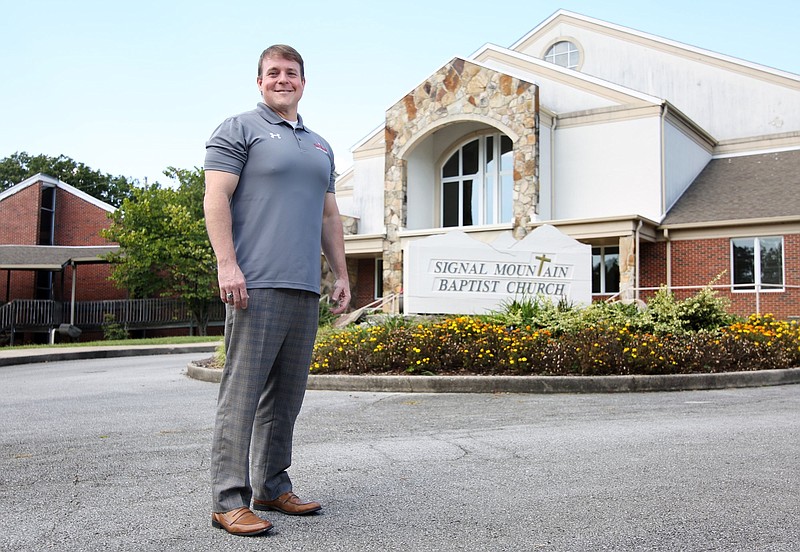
x=434, y=384
x=533, y=384
x=30, y=356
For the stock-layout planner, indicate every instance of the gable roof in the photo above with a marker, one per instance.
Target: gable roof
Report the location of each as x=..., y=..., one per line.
x=50, y=181
x=741, y=188
x=705, y=85
x=654, y=41
x=48, y=257
x=537, y=70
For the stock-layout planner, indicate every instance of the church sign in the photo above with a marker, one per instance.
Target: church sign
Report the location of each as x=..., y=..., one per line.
x=455, y=274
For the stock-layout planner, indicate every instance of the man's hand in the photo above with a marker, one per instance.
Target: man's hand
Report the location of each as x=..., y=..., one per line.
x=232, y=285
x=340, y=296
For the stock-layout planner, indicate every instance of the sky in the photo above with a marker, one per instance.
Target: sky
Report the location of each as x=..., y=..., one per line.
x=131, y=88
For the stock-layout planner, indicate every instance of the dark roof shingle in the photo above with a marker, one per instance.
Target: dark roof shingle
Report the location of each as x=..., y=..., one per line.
x=46, y=257
x=740, y=188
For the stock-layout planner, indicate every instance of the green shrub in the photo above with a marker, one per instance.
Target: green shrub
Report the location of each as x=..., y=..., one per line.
x=664, y=314
x=705, y=310
x=539, y=312
x=219, y=355
x=113, y=330
x=326, y=317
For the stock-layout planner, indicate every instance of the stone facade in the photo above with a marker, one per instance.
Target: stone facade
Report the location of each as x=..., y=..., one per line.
x=627, y=267
x=459, y=91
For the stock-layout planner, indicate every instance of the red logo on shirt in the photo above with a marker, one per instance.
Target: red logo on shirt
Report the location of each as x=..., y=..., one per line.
x=320, y=147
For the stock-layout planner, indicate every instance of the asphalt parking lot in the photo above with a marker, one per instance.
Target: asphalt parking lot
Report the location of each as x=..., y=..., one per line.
x=113, y=454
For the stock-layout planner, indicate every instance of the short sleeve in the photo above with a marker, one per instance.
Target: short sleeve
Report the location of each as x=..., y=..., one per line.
x=332, y=180
x=226, y=150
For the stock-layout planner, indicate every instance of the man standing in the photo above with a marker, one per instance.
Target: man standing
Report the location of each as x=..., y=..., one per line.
x=270, y=209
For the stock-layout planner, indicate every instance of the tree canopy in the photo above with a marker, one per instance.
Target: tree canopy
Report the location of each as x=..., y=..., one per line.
x=21, y=165
x=164, y=247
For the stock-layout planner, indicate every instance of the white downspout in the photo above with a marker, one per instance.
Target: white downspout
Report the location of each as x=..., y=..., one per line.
x=638, y=258
x=553, y=167
x=669, y=258
x=664, y=110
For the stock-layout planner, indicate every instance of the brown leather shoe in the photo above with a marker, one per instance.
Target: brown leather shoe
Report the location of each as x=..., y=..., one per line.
x=288, y=503
x=241, y=521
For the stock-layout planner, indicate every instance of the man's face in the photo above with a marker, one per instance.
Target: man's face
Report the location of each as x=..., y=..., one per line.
x=281, y=86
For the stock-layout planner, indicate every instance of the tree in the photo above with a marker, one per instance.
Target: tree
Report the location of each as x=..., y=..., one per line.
x=105, y=187
x=192, y=184
x=164, y=247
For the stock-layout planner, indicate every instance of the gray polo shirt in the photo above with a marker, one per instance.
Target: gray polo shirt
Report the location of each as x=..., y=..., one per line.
x=284, y=175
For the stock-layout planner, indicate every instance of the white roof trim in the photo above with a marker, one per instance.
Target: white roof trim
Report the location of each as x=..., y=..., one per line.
x=368, y=137
x=570, y=73
x=656, y=38
x=45, y=179
x=755, y=152
x=345, y=174
x=527, y=78
x=27, y=182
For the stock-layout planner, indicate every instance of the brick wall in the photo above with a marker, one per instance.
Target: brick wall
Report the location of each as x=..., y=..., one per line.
x=699, y=262
x=78, y=222
x=364, y=289
x=93, y=284
x=20, y=216
x=653, y=264
x=21, y=284
x=19, y=226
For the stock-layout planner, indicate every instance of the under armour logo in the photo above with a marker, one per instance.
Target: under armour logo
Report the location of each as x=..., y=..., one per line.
x=274, y=135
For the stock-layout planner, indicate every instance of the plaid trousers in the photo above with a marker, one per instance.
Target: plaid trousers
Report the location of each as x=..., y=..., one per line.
x=268, y=352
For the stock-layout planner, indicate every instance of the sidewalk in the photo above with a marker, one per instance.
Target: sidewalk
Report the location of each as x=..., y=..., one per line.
x=9, y=357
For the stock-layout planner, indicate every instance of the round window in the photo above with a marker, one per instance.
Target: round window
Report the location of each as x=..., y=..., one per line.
x=563, y=53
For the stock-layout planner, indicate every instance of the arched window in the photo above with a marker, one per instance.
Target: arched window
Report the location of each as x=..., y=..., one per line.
x=563, y=53
x=478, y=181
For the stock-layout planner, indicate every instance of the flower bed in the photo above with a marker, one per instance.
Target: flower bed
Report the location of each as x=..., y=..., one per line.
x=487, y=345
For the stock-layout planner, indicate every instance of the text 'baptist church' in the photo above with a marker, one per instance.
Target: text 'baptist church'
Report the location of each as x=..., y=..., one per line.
x=500, y=277
x=455, y=273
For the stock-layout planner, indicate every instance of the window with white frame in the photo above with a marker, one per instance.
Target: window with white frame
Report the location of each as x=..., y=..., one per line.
x=757, y=263
x=605, y=270
x=563, y=53
x=477, y=182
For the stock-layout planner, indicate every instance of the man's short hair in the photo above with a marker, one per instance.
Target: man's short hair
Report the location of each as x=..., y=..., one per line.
x=282, y=51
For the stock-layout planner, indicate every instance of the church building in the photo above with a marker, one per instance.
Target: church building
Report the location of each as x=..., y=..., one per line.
x=678, y=166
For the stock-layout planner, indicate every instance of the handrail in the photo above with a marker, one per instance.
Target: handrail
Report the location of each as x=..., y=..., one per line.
x=350, y=317
x=740, y=290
